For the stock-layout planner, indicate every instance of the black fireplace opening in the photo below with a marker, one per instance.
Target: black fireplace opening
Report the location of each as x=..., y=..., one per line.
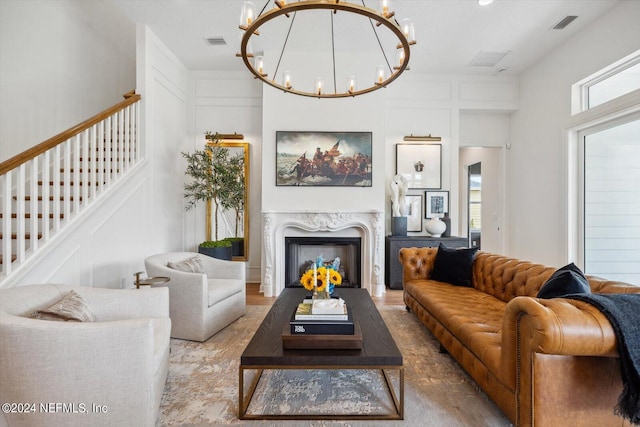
x=301, y=252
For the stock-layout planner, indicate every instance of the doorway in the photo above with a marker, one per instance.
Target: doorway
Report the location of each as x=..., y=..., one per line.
x=482, y=197
x=474, y=198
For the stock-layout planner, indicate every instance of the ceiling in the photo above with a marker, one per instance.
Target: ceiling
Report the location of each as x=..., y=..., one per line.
x=450, y=33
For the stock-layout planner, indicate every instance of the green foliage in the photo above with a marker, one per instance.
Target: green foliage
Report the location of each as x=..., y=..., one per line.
x=199, y=168
x=216, y=176
x=224, y=243
x=234, y=239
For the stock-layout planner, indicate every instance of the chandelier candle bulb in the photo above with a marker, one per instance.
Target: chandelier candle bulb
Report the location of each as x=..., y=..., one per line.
x=286, y=79
x=401, y=57
x=259, y=64
x=380, y=74
x=351, y=84
x=385, y=8
x=319, y=84
x=408, y=30
x=248, y=14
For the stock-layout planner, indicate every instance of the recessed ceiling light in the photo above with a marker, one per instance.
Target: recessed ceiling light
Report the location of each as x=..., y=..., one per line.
x=485, y=2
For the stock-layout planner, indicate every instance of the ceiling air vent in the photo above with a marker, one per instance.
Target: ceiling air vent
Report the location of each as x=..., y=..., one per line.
x=215, y=41
x=564, y=22
x=487, y=59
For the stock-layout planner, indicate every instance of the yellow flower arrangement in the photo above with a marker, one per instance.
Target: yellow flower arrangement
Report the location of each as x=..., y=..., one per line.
x=307, y=279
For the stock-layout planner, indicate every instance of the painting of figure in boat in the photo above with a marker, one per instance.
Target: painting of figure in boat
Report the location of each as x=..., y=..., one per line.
x=323, y=159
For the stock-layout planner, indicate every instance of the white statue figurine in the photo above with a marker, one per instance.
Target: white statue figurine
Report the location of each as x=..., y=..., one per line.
x=399, y=187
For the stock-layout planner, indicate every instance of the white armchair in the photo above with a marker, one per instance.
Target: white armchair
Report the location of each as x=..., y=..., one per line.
x=201, y=304
x=108, y=372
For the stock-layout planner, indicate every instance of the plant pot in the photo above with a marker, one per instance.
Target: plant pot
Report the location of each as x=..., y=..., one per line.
x=398, y=225
x=224, y=253
x=237, y=247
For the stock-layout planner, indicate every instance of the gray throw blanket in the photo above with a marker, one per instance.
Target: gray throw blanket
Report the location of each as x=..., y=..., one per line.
x=623, y=311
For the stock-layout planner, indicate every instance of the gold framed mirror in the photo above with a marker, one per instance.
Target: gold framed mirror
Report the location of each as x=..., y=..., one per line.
x=231, y=214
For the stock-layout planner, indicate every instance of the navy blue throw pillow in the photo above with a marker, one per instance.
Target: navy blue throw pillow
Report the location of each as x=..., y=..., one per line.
x=454, y=265
x=566, y=280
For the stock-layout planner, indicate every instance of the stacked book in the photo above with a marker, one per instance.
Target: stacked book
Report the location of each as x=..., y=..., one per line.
x=322, y=317
x=322, y=325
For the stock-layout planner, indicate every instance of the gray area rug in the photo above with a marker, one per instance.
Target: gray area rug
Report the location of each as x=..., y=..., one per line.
x=202, y=386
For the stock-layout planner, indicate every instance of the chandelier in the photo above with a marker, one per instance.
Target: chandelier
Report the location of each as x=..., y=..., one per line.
x=252, y=22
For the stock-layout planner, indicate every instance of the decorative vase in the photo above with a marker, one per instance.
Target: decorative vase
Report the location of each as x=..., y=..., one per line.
x=435, y=227
x=447, y=223
x=398, y=225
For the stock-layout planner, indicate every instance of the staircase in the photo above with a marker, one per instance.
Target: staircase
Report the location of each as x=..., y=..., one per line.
x=45, y=188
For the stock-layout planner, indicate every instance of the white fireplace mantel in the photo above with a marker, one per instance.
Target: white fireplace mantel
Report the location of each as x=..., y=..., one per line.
x=278, y=225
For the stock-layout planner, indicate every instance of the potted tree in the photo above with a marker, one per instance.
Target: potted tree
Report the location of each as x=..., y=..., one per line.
x=236, y=201
x=213, y=177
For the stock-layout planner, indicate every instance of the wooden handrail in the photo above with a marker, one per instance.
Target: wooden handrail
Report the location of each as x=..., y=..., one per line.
x=25, y=156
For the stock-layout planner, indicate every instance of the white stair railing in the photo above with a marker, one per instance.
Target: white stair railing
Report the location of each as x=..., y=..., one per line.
x=47, y=186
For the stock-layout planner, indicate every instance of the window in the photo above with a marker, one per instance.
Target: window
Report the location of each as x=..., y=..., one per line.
x=623, y=82
x=611, y=199
x=603, y=209
x=618, y=79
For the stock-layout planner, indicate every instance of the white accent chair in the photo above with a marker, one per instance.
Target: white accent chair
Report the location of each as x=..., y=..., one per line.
x=119, y=362
x=200, y=305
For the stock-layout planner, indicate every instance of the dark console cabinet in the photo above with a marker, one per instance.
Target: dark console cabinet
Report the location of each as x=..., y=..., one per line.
x=393, y=244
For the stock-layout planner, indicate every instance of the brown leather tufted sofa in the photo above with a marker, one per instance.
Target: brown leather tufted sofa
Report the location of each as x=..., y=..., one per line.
x=543, y=362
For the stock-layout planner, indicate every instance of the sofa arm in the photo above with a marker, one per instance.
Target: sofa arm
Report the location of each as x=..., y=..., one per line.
x=104, y=363
x=556, y=326
x=417, y=263
x=560, y=326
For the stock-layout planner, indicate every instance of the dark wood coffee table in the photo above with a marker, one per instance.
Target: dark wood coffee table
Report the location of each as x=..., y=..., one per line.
x=379, y=352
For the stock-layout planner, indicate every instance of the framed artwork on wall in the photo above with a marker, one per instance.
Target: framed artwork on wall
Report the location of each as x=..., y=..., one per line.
x=420, y=164
x=436, y=204
x=414, y=212
x=323, y=159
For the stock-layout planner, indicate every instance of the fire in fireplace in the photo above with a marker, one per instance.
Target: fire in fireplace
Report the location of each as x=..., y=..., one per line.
x=301, y=252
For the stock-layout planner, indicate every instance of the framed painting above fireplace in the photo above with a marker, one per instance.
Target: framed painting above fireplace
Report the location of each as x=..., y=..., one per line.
x=323, y=159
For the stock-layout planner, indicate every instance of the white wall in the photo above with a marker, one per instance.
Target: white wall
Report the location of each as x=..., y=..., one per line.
x=484, y=129
x=537, y=161
x=61, y=62
x=163, y=82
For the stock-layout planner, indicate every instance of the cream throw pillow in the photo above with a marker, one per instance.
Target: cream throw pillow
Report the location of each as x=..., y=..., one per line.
x=191, y=265
x=70, y=308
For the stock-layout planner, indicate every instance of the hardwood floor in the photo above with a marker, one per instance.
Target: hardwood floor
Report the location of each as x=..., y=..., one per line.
x=254, y=297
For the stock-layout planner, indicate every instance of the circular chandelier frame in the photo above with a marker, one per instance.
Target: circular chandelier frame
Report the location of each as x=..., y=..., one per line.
x=332, y=5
